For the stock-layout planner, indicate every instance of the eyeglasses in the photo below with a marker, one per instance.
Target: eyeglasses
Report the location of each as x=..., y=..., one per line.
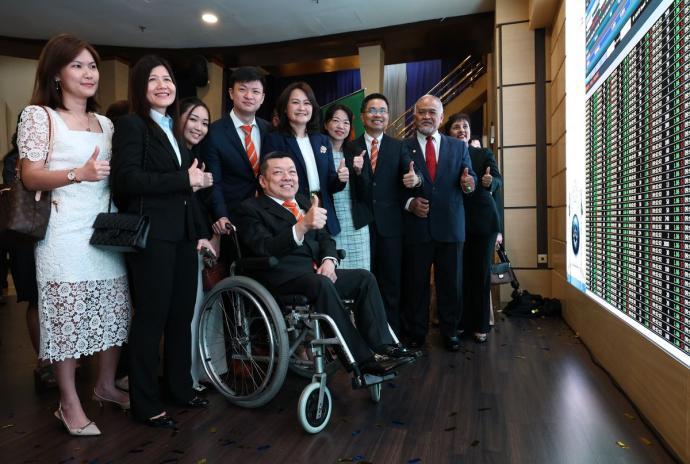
x=374, y=111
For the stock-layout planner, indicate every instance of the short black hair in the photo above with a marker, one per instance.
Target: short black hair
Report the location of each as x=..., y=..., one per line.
x=247, y=74
x=373, y=96
x=272, y=155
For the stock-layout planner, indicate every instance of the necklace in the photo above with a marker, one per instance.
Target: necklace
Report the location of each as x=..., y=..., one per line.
x=81, y=123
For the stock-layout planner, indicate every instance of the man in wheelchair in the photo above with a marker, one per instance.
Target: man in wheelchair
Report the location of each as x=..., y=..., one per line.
x=276, y=223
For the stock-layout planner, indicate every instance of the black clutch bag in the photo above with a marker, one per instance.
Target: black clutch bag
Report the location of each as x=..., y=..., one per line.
x=121, y=232
x=501, y=273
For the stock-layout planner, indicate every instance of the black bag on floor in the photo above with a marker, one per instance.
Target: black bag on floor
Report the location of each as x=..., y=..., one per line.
x=526, y=304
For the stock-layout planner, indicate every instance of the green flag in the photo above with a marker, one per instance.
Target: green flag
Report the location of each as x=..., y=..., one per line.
x=354, y=102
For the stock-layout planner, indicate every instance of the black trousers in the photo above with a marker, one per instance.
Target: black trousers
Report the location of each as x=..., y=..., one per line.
x=386, y=264
x=477, y=259
x=371, y=328
x=417, y=260
x=164, y=276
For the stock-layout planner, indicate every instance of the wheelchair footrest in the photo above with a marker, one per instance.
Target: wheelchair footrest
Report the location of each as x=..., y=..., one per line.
x=367, y=380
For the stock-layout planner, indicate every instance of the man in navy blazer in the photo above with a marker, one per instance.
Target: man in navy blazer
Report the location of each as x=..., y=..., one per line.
x=381, y=186
x=434, y=223
x=225, y=149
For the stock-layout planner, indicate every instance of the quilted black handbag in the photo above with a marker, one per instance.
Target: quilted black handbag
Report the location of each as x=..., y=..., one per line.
x=122, y=232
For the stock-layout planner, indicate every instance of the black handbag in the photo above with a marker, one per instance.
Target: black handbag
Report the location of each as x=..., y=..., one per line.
x=122, y=232
x=502, y=272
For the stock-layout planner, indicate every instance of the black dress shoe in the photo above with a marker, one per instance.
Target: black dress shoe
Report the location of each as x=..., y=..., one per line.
x=398, y=351
x=452, y=343
x=164, y=422
x=197, y=402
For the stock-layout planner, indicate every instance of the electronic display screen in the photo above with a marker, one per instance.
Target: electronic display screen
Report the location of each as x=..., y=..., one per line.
x=628, y=179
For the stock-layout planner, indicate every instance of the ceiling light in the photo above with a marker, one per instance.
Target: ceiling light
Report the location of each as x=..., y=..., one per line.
x=209, y=18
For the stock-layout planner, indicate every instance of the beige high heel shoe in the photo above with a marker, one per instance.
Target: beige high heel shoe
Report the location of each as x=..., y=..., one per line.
x=89, y=430
x=100, y=400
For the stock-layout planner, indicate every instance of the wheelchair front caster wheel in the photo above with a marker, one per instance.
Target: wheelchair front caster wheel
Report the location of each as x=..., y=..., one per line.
x=312, y=416
x=375, y=392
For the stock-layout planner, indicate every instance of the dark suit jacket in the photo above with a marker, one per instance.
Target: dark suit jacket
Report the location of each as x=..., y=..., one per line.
x=481, y=213
x=225, y=157
x=379, y=194
x=265, y=229
x=328, y=177
x=446, y=219
x=163, y=184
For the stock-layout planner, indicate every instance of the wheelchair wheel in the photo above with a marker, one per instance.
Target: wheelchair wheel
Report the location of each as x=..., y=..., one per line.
x=375, y=392
x=302, y=359
x=243, y=342
x=307, y=408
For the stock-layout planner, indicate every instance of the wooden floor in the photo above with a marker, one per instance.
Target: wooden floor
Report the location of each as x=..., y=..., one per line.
x=529, y=395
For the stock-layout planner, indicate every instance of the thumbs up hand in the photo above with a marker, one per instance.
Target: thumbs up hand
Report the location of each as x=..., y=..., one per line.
x=487, y=178
x=94, y=169
x=198, y=179
x=314, y=219
x=467, y=181
x=410, y=179
x=343, y=172
x=358, y=162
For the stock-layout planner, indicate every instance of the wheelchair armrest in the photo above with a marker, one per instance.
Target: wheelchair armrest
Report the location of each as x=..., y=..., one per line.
x=257, y=264
x=341, y=254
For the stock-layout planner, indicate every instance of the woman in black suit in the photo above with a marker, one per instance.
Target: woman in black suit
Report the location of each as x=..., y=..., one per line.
x=154, y=174
x=482, y=229
x=298, y=134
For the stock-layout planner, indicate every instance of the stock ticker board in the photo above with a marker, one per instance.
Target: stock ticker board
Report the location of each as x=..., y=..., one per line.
x=638, y=176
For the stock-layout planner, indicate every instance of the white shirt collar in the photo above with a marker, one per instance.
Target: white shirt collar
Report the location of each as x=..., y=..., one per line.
x=368, y=138
x=238, y=122
x=162, y=120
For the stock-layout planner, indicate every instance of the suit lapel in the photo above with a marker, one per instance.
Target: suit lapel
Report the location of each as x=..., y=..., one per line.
x=234, y=138
x=276, y=210
x=294, y=147
x=444, y=158
x=159, y=135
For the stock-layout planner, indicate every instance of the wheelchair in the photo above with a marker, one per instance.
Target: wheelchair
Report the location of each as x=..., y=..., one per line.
x=249, y=339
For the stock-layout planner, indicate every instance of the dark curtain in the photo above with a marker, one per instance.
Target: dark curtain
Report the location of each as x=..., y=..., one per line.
x=421, y=77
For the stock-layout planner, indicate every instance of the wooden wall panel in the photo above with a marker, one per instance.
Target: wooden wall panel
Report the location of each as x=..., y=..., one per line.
x=518, y=53
x=519, y=184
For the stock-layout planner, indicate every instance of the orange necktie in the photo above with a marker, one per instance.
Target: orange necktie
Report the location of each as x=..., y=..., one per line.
x=251, y=150
x=374, y=153
x=291, y=205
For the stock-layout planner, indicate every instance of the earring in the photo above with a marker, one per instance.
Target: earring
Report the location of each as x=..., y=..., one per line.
x=57, y=85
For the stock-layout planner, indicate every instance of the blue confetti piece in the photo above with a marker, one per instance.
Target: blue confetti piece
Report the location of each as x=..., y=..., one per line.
x=397, y=422
x=414, y=461
x=356, y=432
x=93, y=461
x=359, y=457
x=263, y=447
x=228, y=442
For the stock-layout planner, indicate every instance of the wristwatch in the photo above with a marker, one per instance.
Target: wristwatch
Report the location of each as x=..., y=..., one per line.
x=72, y=176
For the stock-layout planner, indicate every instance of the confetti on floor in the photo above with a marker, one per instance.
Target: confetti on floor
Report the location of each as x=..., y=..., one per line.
x=449, y=429
x=483, y=409
x=454, y=413
x=7, y=426
x=213, y=430
x=356, y=432
x=622, y=444
x=397, y=422
x=263, y=447
x=629, y=416
x=520, y=357
x=474, y=444
x=646, y=441
x=414, y=461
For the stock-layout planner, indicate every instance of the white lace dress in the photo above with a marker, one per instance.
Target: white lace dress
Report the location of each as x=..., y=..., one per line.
x=83, y=297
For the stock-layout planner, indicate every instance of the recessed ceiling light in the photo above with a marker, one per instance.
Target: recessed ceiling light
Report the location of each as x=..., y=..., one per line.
x=209, y=18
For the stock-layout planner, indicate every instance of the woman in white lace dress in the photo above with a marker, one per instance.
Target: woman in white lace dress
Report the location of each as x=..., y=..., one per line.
x=84, y=304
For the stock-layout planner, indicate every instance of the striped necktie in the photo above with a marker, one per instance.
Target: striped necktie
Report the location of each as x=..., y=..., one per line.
x=251, y=150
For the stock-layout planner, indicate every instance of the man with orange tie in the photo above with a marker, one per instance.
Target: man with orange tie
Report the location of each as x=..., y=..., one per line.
x=232, y=147
x=381, y=167
x=278, y=224
x=434, y=225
